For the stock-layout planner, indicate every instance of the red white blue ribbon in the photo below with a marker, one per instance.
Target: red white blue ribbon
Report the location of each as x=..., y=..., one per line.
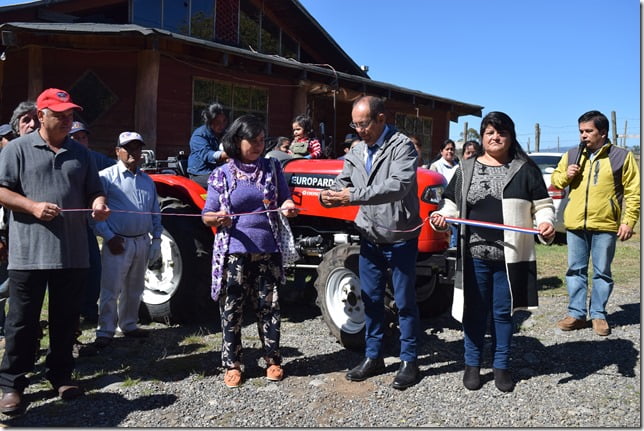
x=478, y=223
x=490, y=225
x=175, y=214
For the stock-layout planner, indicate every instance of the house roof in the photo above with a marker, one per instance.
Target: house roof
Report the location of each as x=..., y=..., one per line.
x=300, y=22
x=18, y=34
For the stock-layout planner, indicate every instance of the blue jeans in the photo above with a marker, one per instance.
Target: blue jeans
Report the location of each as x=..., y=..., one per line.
x=453, y=239
x=374, y=261
x=600, y=246
x=486, y=289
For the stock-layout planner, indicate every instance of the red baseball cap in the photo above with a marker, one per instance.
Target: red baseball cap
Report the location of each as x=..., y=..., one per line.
x=56, y=100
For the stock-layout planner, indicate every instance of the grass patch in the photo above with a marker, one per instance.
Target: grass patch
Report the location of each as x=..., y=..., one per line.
x=129, y=381
x=552, y=264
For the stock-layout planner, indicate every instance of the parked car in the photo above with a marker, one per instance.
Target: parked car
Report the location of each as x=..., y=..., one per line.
x=547, y=163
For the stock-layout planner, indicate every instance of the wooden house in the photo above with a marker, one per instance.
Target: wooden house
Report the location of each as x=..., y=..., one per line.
x=151, y=66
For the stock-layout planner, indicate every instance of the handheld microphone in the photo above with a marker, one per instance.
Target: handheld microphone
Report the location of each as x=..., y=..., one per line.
x=582, y=146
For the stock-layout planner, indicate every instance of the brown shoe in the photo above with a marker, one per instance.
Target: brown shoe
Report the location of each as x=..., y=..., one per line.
x=274, y=373
x=233, y=377
x=11, y=403
x=68, y=390
x=569, y=323
x=600, y=326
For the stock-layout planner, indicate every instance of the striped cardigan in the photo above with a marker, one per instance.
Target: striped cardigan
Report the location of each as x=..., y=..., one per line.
x=525, y=199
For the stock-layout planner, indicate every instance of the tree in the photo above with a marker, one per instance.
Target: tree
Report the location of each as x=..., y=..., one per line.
x=472, y=135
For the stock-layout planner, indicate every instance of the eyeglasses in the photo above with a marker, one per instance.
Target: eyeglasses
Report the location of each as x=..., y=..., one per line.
x=363, y=125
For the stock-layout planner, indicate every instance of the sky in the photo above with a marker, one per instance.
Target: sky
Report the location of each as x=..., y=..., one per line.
x=544, y=62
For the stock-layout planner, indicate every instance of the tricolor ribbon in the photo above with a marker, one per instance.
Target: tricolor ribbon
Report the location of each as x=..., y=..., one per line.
x=490, y=225
x=175, y=214
x=477, y=223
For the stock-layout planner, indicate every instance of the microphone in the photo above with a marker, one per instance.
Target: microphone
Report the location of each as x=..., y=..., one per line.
x=582, y=146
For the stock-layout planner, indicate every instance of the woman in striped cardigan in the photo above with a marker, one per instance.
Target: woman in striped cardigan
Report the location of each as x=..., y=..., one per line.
x=496, y=268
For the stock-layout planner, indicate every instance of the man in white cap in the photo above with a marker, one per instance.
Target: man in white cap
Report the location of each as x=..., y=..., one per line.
x=127, y=248
x=42, y=174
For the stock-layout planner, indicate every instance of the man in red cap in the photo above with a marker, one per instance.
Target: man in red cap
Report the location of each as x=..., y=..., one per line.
x=42, y=174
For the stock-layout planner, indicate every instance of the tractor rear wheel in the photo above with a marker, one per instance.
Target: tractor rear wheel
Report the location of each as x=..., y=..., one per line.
x=177, y=286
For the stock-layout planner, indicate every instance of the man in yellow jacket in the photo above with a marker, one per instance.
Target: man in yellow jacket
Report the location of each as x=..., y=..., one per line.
x=604, y=205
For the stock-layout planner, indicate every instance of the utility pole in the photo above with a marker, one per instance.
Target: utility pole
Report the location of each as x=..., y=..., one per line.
x=528, y=144
x=613, y=119
x=537, y=136
x=624, y=137
x=557, y=143
x=465, y=132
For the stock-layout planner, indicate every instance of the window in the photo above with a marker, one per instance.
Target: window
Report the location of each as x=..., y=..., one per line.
x=93, y=95
x=202, y=19
x=270, y=37
x=237, y=99
x=248, y=25
x=176, y=16
x=190, y=17
x=289, y=47
x=419, y=126
x=146, y=13
x=235, y=22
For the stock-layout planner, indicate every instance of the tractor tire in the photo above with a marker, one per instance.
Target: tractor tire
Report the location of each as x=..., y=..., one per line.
x=177, y=286
x=438, y=303
x=339, y=296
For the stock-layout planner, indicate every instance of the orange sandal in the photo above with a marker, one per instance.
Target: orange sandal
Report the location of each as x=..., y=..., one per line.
x=274, y=373
x=233, y=377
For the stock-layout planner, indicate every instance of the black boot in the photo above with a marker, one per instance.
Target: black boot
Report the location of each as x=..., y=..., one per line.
x=503, y=380
x=365, y=369
x=408, y=375
x=472, y=378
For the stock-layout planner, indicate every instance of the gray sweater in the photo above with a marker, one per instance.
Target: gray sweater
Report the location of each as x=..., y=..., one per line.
x=388, y=196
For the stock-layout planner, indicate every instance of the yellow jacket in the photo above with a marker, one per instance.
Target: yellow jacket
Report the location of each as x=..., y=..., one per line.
x=596, y=195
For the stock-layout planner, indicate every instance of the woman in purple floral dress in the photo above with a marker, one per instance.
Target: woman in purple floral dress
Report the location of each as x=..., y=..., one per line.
x=243, y=196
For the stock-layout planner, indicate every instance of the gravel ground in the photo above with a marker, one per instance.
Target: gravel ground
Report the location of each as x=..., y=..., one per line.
x=173, y=379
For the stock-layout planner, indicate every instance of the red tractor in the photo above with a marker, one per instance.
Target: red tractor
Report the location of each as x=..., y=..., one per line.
x=178, y=286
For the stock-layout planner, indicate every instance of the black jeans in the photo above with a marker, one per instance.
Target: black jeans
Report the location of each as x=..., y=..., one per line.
x=22, y=328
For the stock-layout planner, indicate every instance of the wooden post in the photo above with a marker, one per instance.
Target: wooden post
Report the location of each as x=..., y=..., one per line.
x=624, y=139
x=537, y=136
x=147, y=89
x=35, y=73
x=465, y=132
x=613, y=120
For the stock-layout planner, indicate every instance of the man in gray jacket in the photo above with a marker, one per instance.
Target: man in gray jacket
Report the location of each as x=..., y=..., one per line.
x=379, y=174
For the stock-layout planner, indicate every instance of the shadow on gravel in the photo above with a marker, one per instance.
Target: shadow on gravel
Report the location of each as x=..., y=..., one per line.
x=70, y=413
x=322, y=364
x=549, y=283
x=433, y=350
x=629, y=315
x=579, y=359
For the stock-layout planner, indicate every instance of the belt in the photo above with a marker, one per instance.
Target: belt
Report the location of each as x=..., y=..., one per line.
x=131, y=236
